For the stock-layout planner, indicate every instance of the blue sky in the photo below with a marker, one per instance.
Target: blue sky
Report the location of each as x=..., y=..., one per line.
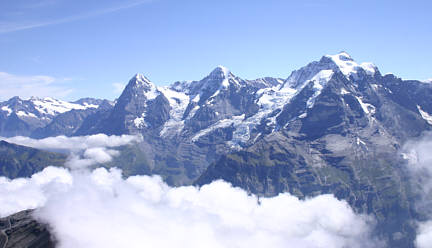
x=72, y=49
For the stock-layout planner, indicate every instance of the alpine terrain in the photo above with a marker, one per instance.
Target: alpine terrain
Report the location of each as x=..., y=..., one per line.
x=333, y=126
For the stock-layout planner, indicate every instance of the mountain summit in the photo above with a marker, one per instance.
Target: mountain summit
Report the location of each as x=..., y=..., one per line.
x=349, y=67
x=142, y=82
x=220, y=72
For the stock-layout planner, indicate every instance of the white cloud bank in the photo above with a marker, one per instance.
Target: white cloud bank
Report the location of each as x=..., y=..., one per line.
x=424, y=235
x=75, y=143
x=100, y=209
x=419, y=155
x=84, y=150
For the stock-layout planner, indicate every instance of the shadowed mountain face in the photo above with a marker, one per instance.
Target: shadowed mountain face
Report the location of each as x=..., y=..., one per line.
x=20, y=161
x=21, y=230
x=373, y=182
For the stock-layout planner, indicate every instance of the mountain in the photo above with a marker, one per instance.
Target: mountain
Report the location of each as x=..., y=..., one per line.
x=23, y=117
x=339, y=132
x=21, y=161
x=188, y=125
x=140, y=103
x=185, y=125
x=70, y=122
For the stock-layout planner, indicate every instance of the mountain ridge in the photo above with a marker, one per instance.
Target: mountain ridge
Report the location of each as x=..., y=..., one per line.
x=223, y=113
x=334, y=126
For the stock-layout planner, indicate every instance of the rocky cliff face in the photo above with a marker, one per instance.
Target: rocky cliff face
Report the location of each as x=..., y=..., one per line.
x=21, y=230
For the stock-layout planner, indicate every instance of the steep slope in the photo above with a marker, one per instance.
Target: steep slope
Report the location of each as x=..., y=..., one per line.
x=20, y=161
x=141, y=105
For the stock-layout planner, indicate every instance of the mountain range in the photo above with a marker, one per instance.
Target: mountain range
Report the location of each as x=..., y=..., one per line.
x=333, y=126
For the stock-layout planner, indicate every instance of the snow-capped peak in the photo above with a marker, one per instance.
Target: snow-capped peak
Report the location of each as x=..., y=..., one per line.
x=349, y=67
x=220, y=78
x=53, y=107
x=141, y=79
x=220, y=72
x=342, y=56
x=140, y=82
x=46, y=107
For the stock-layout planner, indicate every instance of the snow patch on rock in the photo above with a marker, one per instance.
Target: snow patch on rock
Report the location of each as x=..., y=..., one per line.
x=7, y=109
x=50, y=106
x=425, y=115
x=367, y=107
x=219, y=124
x=178, y=101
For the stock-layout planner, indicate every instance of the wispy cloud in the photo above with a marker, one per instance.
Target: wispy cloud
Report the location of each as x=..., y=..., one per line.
x=12, y=26
x=28, y=86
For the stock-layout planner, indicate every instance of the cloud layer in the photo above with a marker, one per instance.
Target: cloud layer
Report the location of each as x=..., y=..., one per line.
x=84, y=151
x=75, y=143
x=100, y=209
x=419, y=156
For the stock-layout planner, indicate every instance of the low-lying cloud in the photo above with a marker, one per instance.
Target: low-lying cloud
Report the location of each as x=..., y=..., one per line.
x=84, y=150
x=101, y=209
x=419, y=156
x=75, y=143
